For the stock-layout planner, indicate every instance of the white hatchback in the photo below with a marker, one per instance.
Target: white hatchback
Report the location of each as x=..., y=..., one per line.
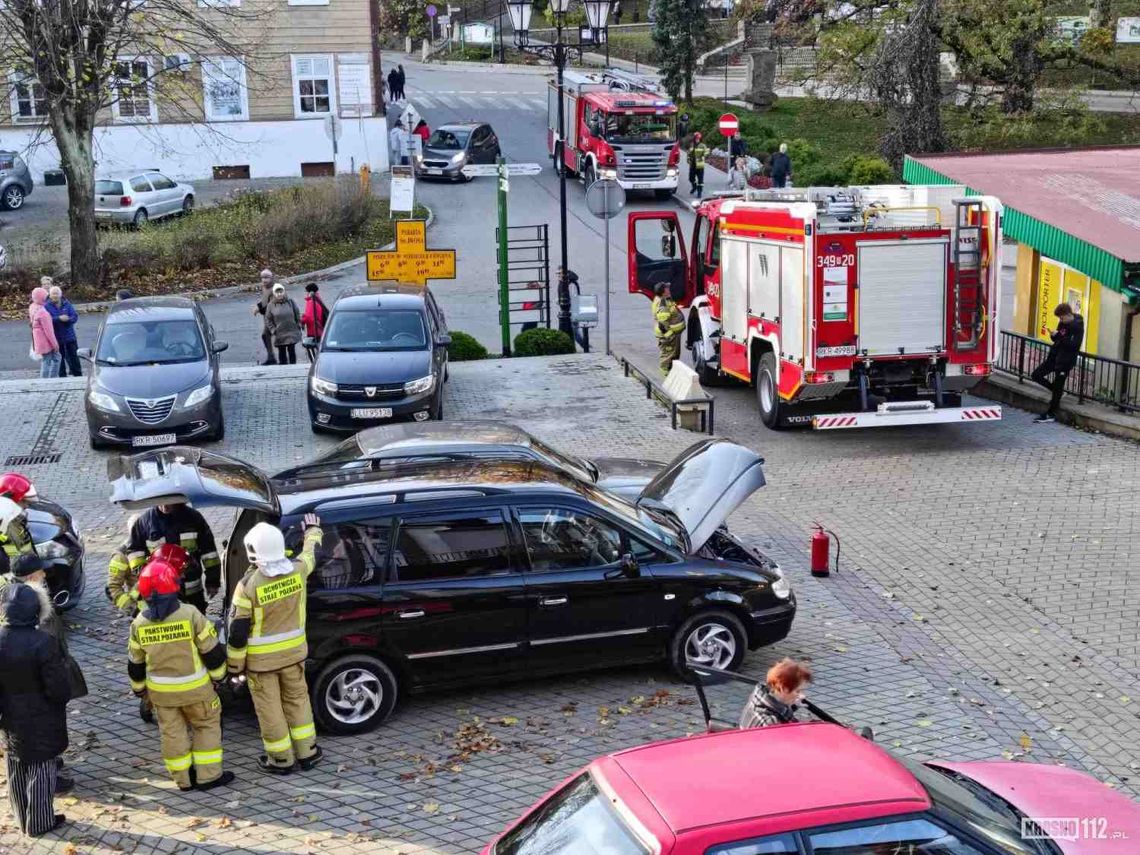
x=134, y=198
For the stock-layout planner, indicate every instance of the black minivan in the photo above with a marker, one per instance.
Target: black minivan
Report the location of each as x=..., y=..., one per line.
x=383, y=357
x=439, y=573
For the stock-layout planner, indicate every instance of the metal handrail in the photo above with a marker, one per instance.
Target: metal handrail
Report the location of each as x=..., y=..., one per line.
x=705, y=406
x=874, y=210
x=1112, y=382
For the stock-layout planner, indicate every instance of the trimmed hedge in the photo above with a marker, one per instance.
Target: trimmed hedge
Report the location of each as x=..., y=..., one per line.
x=543, y=342
x=464, y=347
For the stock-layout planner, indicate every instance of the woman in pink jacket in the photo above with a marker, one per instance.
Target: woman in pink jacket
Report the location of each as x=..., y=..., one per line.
x=44, y=343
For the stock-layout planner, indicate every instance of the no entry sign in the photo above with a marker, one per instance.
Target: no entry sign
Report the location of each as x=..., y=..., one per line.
x=728, y=124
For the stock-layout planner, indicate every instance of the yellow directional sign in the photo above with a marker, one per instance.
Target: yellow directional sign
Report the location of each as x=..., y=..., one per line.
x=411, y=260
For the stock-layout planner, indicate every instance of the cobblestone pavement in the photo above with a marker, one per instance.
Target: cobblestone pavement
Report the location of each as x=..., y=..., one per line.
x=986, y=606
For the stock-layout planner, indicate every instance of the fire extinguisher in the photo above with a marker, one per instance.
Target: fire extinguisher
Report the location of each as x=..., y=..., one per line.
x=821, y=551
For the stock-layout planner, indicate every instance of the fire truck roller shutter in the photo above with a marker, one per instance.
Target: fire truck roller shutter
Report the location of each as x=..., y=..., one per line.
x=734, y=290
x=902, y=296
x=792, y=305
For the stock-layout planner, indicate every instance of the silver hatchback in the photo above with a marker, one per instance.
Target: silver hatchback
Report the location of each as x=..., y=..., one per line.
x=134, y=198
x=15, y=181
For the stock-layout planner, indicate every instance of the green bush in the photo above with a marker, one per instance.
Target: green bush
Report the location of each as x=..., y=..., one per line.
x=464, y=347
x=869, y=170
x=543, y=342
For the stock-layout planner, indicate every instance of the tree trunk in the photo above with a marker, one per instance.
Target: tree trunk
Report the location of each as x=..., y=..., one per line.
x=1101, y=13
x=75, y=143
x=1021, y=83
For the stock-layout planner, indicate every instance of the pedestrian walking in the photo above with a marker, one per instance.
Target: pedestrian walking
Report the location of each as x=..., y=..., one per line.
x=271, y=649
x=172, y=657
x=667, y=327
x=63, y=319
x=283, y=319
x=393, y=85
x=313, y=320
x=698, y=153
x=737, y=147
x=179, y=525
x=422, y=131
x=34, y=691
x=738, y=173
x=45, y=346
x=781, y=167
x=398, y=143
x=775, y=700
x=267, y=283
x=401, y=79
x=1062, y=358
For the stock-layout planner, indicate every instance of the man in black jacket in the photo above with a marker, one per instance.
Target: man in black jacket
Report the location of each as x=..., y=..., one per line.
x=183, y=526
x=34, y=691
x=1062, y=357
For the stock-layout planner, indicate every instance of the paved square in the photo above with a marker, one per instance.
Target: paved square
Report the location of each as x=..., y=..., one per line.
x=987, y=604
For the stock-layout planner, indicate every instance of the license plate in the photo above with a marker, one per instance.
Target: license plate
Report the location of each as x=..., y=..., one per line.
x=154, y=439
x=642, y=186
x=373, y=413
x=432, y=171
x=845, y=350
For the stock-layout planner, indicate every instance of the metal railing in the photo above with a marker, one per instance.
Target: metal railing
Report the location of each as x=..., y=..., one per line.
x=1112, y=382
x=703, y=406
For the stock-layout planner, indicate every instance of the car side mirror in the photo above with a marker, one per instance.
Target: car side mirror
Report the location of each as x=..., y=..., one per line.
x=84, y=353
x=627, y=568
x=443, y=340
x=219, y=346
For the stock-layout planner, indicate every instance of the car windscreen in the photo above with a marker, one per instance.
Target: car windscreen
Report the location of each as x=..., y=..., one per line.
x=448, y=139
x=109, y=188
x=578, y=820
x=150, y=343
x=376, y=330
x=640, y=127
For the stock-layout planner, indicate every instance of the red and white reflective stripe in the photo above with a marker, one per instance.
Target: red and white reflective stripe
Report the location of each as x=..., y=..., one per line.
x=981, y=414
x=836, y=421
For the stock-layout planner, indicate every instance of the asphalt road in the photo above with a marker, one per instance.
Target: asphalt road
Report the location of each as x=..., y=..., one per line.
x=465, y=220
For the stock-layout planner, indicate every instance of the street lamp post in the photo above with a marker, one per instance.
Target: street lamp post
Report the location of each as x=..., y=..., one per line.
x=597, y=11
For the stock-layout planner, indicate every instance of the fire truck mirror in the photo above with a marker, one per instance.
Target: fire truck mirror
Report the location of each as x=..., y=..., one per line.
x=668, y=246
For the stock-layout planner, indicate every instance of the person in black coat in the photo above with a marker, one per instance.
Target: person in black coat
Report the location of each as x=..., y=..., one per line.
x=34, y=691
x=1062, y=357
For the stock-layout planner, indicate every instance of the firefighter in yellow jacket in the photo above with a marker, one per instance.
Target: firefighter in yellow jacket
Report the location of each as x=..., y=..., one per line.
x=14, y=536
x=123, y=579
x=173, y=655
x=267, y=643
x=668, y=324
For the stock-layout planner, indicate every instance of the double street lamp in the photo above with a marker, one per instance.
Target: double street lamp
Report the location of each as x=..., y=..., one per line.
x=558, y=52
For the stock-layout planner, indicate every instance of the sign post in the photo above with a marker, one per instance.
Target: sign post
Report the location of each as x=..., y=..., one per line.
x=605, y=199
x=334, y=127
x=504, y=274
x=411, y=261
x=728, y=124
x=402, y=195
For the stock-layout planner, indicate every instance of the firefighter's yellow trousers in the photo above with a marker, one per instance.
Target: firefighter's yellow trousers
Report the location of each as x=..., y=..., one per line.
x=281, y=699
x=191, y=736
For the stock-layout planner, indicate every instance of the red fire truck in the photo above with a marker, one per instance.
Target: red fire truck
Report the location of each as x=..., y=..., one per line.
x=844, y=307
x=618, y=125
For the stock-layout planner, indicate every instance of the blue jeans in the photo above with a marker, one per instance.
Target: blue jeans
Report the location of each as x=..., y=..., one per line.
x=49, y=365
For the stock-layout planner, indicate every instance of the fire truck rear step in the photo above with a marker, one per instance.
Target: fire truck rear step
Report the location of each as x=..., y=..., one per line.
x=906, y=413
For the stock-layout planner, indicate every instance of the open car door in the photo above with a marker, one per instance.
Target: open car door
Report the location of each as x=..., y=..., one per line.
x=180, y=473
x=657, y=255
x=704, y=484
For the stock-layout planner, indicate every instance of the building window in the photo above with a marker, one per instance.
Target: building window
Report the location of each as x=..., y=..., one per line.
x=29, y=102
x=224, y=94
x=133, y=102
x=308, y=2
x=313, y=87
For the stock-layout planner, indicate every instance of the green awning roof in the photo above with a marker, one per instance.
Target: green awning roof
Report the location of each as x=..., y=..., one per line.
x=1047, y=239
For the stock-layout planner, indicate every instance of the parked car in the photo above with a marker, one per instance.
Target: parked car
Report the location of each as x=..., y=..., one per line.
x=819, y=788
x=60, y=545
x=156, y=377
x=438, y=573
x=15, y=181
x=384, y=446
x=451, y=147
x=383, y=356
x=139, y=196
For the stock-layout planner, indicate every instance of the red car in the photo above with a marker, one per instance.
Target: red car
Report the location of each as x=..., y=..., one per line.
x=818, y=789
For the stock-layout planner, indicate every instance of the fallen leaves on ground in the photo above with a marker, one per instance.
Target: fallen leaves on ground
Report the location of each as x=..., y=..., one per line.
x=431, y=807
x=195, y=821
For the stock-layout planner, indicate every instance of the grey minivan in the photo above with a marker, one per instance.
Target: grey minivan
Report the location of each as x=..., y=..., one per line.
x=15, y=181
x=156, y=375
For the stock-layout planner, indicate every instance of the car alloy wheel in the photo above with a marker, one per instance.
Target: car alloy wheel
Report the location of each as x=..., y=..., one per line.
x=13, y=198
x=354, y=694
x=710, y=645
x=354, y=697
x=141, y=218
x=188, y=206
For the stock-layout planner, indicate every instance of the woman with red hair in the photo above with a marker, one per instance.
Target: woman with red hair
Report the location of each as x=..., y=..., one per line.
x=774, y=701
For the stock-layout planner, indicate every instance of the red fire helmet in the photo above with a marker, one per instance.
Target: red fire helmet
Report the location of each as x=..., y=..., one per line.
x=158, y=577
x=17, y=487
x=172, y=554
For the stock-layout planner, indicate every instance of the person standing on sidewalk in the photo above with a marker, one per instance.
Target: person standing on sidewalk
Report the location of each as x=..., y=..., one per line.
x=401, y=79
x=283, y=319
x=781, y=167
x=45, y=346
x=34, y=691
x=63, y=318
x=668, y=325
x=698, y=153
x=1062, y=358
x=267, y=283
x=393, y=88
x=267, y=643
x=313, y=320
x=398, y=143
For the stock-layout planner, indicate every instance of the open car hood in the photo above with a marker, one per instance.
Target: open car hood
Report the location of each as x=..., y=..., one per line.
x=181, y=473
x=704, y=484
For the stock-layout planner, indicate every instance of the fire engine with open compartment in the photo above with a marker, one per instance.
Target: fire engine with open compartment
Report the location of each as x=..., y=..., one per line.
x=844, y=307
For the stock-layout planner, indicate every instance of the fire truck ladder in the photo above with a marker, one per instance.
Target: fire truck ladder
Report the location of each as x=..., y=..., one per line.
x=970, y=272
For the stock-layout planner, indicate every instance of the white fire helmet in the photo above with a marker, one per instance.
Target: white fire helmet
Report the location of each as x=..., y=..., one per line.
x=9, y=510
x=265, y=548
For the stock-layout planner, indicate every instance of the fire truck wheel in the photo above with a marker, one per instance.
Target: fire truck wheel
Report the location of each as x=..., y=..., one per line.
x=713, y=639
x=707, y=376
x=768, y=391
x=591, y=174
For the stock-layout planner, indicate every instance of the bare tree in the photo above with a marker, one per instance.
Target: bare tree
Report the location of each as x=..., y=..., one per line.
x=81, y=58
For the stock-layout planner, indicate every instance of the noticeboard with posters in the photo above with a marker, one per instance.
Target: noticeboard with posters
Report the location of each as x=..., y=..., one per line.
x=1128, y=31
